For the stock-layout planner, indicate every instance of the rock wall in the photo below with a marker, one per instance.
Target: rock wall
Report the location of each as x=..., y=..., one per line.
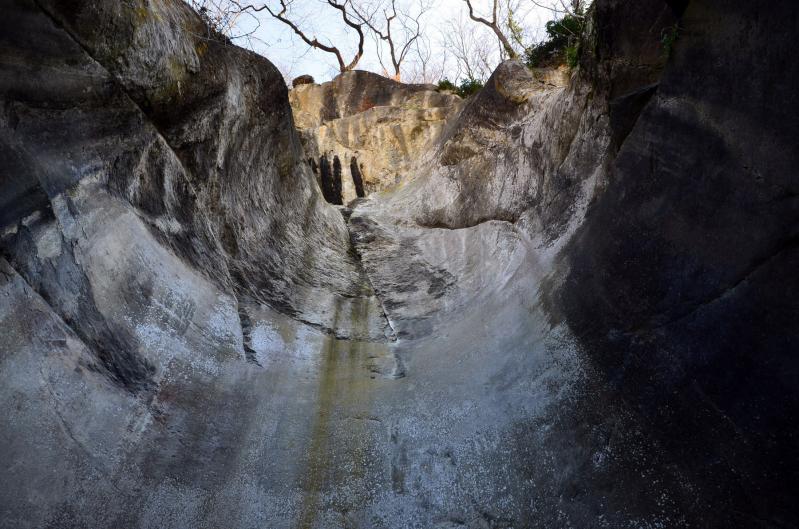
x=577, y=311
x=377, y=129
x=680, y=280
x=657, y=194
x=164, y=121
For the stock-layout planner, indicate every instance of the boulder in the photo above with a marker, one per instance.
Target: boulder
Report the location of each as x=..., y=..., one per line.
x=301, y=80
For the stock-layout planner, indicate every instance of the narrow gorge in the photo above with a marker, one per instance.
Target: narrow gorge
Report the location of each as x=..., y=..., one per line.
x=567, y=301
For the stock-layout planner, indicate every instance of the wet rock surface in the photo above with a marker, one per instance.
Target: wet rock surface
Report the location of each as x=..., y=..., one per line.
x=577, y=311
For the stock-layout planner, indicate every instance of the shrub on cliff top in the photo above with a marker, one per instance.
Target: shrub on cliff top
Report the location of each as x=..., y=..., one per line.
x=447, y=85
x=467, y=87
x=562, y=44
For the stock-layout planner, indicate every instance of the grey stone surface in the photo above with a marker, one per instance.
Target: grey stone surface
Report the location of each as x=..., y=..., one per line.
x=579, y=311
x=207, y=153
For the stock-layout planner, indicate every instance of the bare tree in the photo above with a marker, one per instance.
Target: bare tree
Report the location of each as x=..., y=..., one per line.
x=401, y=32
x=516, y=32
x=283, y=15
x=494, y=25
x=224, y=19
x=426, y=64
x=575, y=8
x=286, y=69
x=473, y=52
x=400, y=29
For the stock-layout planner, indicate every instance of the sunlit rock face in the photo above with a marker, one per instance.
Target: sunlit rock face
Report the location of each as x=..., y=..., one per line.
x=364, y=133
x=577, y=309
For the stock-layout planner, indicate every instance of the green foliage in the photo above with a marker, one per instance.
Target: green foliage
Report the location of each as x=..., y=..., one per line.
x=566, y=29
x=668, y=38
x=446, y=84
x=572, y=55
x=467, y=87
x=562, y=44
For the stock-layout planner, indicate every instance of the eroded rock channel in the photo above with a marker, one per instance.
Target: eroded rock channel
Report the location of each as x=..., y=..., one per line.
x=568, y=301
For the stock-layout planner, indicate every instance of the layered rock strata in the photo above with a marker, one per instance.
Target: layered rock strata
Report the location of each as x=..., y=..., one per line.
x=364, y=133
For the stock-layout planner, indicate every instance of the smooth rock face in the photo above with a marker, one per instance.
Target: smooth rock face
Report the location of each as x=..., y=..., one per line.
x=192, y=135
x=377, y=129
x=687, y=300
x=578, y=311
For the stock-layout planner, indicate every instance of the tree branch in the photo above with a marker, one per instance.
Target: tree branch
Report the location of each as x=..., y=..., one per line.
x=410, y=30
x=282, y=16
x=492, y=24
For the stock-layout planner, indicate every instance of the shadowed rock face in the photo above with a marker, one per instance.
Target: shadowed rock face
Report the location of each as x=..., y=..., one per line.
x=687, y=299
x=578, y=311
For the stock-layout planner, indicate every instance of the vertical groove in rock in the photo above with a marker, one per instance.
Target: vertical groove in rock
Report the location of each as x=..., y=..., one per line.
x=357, y=179
x=326, y=178
x=246, y=334
x=337, y=181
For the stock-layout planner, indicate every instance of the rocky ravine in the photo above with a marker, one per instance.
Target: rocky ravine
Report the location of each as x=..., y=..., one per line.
x=579, y=310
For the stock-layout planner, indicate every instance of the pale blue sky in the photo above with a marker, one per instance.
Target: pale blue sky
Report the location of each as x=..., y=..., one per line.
x=286, y=50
